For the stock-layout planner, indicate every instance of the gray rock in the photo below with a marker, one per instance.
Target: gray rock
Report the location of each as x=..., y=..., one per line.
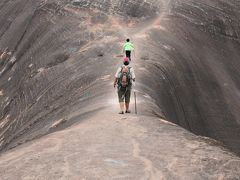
x=187, y=58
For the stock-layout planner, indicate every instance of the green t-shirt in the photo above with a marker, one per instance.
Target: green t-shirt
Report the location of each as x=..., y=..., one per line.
x=128, y=46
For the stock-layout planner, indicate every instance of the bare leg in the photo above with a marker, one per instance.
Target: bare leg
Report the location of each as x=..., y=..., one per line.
x=122, y=106
x=127, y=106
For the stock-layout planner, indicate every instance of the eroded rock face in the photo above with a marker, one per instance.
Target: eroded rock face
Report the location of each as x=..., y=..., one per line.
x=47, y=69
x=193, y=56
x=58, y=57
x=140, y=8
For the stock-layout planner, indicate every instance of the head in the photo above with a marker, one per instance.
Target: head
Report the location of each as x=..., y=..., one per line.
x=127, y=40
x=126, y=61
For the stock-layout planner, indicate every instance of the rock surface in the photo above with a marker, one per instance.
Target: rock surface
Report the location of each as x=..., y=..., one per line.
x=193, y=51
x=111, y=146
x=56, y=67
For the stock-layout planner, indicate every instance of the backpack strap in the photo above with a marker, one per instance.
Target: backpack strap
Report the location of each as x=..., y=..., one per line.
x=129, y=69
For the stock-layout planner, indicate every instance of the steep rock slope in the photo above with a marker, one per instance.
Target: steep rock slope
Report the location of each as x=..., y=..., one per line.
x=193, y=54
x=50, y=53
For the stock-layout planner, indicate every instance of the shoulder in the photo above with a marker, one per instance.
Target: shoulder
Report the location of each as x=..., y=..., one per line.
x=119, y=69
x=131, y=68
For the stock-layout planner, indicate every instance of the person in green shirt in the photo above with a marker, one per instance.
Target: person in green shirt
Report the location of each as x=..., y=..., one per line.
x=128, y=48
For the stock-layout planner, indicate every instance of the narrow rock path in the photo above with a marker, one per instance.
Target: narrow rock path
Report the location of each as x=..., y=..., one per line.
x=105, y=145
x=111, y=146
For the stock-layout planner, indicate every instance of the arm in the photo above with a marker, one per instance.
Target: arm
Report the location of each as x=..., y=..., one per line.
x=132, y=46
x=124, y=47
x=133, y=49
x=133, y=74
x=115, y=82
x=116, y=77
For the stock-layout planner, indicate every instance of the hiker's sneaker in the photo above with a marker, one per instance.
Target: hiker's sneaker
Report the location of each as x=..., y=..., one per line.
x=127, y=111
x=121, y=112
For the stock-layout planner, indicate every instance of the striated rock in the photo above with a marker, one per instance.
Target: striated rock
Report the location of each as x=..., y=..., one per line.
x=193, y=55
x=64, y=53
x=137, y=9
x=50, y=68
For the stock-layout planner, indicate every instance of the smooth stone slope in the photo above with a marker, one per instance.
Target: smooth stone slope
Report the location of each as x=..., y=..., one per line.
x=111, y=146
x=189, y=63
x=57, y=57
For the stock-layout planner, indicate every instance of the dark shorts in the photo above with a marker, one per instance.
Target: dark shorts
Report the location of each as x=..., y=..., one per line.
x=124, y=94
x=128, y=54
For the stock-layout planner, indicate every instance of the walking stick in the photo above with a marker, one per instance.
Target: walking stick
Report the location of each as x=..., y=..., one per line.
x=135, y=98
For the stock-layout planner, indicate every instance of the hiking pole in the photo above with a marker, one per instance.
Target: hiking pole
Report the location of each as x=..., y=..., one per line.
x=135, y=98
